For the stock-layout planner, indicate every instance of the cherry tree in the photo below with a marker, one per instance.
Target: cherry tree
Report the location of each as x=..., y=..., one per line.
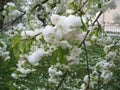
x=53, y=38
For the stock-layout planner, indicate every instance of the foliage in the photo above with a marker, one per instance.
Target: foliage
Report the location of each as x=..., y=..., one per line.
x=58, y=45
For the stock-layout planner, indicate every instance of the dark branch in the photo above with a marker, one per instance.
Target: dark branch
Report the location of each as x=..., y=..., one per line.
x=44, y=1
x=12, y=22
x=84, y=39
x=39, y=5
x=96, y=19
x=87, y=64
x=81, y=7
x=89, y=30
x=42, y=20
x=63, y=78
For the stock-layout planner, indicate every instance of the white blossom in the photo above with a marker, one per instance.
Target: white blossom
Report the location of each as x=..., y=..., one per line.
x=14, y=13
x=48, y=33
x=76, y=51
x=104, y=65
x=22, y=69
x=52, y=73
x=107, y=48
x=94, y=38
x=35, y=57
x=14, y=75
x=11, y=4
x=111, y=55
x=106, y=75
x=64, y=44
x=73, y=20
x=69, y=11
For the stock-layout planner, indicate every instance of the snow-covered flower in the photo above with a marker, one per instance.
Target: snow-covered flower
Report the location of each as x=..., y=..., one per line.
x=69, y=11
x=94, y=38
x=14, y=13
x=104, y=65
x=53, y=72
x=48, y=33
x=106, y=75
x=30, y=33
x=20, y=26
x=73, y=20
x=107, y=48
x=14, y=75
x=57, y=20
x=35, y=57
x=75, y=52
x=64, y=44
x=22, y=69
x=64, y=21
x=11, y=4
x=108, y=40
x=111, y=55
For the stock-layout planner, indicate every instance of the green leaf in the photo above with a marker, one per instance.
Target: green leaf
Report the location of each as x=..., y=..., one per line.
x=15, y=41
x=99, y=5
x=12, y=88
x=62, y=54
x=83, y=27
x=24, y=46
x=54, y=57
x=13, y=68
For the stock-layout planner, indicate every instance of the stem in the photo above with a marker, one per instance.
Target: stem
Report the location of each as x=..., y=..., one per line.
x=87, y=64
x=12, y=22
x=96, y=18
x=89, y=30
x=64, y=76
x=84, y=39
x=81, y=7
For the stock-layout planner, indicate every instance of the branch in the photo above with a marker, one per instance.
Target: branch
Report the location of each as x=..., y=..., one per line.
x=84, y=39
x=38, y=5
x=12, y=22
x=89, y=30
x=64, y=76
x=44, y=1
x=81, y=7
x=96, y=18
x=87, y=64
x=83, y=42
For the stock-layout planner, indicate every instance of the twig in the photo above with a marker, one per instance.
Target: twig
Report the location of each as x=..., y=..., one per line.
x=87, y=64
x=89, y=30
x=38, y=5
x=84, y=39
x=79, y=47
x=81, y=7
x=96, y=18
x=12, y=22
x=65, y=74
x=44, y=1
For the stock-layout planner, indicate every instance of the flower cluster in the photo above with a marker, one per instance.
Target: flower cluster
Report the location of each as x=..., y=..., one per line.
x=11, y=12
x=102, y=73
x=58, y=36
x=58, y=39
x=4, y=54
